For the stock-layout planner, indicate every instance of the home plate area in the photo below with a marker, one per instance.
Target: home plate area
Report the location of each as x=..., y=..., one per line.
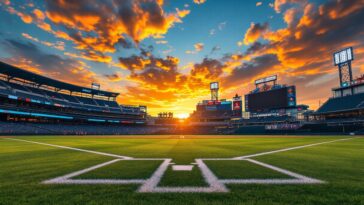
x=159, y=175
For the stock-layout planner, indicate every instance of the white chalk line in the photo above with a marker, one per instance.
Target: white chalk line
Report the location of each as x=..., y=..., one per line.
x=179, y=168
x=153, y=181
x=280, y=170
x=210, y=177
x=292, y=148
x=67, y=179
x=268, y=181
x=77, y=173
x=72, y=148
x=214, y=184
x=297, y=178
x=151, y=185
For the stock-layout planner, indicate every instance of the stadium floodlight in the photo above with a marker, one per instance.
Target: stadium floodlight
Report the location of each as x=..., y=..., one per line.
x=343, y=59
x=343, y=56
x=214, y=85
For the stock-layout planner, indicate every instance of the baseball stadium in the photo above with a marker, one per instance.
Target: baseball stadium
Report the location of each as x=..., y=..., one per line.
x=95, y=107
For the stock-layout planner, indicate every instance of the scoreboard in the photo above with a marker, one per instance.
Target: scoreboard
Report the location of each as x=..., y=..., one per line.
x=273, y=99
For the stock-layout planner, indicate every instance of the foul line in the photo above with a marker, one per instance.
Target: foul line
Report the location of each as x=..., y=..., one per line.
x=67, y=179
x=72, y=148
x=291, y=148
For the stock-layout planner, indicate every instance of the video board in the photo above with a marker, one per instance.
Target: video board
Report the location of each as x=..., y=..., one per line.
x=272, y=99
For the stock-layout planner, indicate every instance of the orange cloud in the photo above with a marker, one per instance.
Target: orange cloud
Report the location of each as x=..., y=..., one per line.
x=303, y=50
x=137, y=19
x=114, y=77
x=198, y=47
x=279, y=4
x=90, y=55
x=254, y=32
x=39, y=14
x=98, y=29
x=199, y=1
x=58, y=45
x=51, y=65
x=24, y=17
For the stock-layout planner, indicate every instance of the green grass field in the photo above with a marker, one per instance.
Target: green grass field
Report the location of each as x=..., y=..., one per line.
x=24, y=166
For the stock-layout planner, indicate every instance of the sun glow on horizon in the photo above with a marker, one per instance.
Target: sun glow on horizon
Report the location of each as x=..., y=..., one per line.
x=182, y=115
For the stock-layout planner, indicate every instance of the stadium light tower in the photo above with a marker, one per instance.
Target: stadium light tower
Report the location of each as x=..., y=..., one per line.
x=214, y=87
x=343, y=59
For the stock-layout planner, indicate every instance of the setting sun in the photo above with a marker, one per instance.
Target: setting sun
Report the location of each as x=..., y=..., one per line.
x=182, y=115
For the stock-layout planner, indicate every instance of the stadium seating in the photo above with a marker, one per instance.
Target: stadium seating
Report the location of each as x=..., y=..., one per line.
x=37, y=94
x=350, y=102
x=265, y=120
x=27, y=96
x=9, y=128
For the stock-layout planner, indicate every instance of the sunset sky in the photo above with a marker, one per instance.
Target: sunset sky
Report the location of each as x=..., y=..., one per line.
x=164, y=54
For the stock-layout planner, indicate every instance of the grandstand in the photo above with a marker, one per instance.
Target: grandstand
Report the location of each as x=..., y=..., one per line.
x=29, y=97
x=30, y=128
x=346, y=105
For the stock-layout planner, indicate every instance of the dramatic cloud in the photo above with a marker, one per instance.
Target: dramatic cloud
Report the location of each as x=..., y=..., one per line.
x=90, y=55
x=101, y=24
x=54, y=66
x=26, y=18
x=99, y=27
x=113, y=77
x=160, y=80
x=254, y=32
x=304, y=48
x=58, y=45
x=280, y=4
x=208, y=69
x=249, y=71
x=159, y=73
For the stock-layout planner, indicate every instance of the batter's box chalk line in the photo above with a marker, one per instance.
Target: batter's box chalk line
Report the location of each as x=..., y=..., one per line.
x=215, y=184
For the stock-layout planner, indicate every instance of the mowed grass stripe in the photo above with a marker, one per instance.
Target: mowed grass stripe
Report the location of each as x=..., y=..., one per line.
x=23, y=162
x=177, y=148
x=331, y=162
x=241, y=169
x=124, y=169
x=173, y=178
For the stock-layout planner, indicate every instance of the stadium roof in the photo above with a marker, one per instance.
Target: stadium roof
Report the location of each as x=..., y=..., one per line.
x=342, y=104
x=42, y=80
